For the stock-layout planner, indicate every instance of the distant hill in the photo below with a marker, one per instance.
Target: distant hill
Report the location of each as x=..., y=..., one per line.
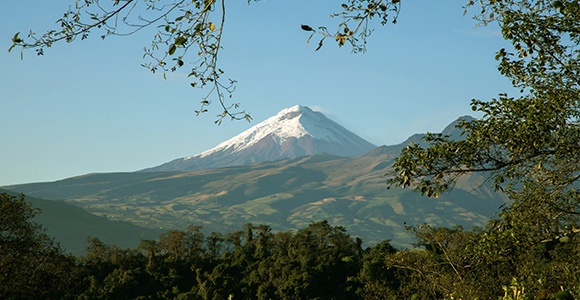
x=285, y=194
x=71, y=226
x=293, y=132
x=288, y=193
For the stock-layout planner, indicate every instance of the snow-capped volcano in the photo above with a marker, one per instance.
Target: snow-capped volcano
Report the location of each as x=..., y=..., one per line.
x=293, y=132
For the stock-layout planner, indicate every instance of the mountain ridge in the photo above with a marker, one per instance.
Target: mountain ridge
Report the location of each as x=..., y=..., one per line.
x=284, y=194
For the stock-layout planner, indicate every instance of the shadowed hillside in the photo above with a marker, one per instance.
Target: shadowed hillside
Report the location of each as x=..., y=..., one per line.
x=71, y=226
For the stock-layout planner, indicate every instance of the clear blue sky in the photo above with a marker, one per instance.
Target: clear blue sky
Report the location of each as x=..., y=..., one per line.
x=90, y=107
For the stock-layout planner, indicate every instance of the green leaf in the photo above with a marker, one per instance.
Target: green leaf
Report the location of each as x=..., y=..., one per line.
x=16, y=39
x=180, y=41
x=172, y=49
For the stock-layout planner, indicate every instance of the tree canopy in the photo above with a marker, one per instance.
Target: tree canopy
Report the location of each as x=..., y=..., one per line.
x=528, y=143
x=316, y=262
x=31, y=264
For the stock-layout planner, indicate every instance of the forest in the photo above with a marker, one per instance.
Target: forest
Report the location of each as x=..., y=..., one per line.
x=317, y=262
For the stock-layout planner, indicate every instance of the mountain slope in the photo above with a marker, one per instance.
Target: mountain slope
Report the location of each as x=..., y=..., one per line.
x=286, y=194
x=293, y=132
x=70, y=226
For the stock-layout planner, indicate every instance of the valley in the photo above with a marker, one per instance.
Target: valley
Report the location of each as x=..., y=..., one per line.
x=285, y=195
x=296, y=172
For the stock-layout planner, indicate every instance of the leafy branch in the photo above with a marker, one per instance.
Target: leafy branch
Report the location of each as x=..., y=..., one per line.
x=357, y=13
x=184, y=25
x=181, y=25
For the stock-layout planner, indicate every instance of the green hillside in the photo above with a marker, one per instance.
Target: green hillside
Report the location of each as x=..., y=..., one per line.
x=71, y=226
x=286, y=195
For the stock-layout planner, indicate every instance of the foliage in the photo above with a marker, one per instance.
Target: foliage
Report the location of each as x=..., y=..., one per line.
x=317, y=262
x=528, y=145
x=486, y=263
x=354, y=27
x=323, y=262
x=31, y=265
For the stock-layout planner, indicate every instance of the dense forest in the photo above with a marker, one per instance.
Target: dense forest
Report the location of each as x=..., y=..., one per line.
x=317, y=262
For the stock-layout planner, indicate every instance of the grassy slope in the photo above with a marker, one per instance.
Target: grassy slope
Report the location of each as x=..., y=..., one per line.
x=71, y=226
x=288, y=194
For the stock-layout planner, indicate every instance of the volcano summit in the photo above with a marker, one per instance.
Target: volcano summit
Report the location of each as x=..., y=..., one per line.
x=293, y=132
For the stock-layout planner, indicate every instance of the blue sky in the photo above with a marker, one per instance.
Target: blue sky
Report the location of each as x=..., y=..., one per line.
x=90, y=107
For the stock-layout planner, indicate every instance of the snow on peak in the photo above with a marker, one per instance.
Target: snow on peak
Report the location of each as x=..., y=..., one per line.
x=296, y=121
